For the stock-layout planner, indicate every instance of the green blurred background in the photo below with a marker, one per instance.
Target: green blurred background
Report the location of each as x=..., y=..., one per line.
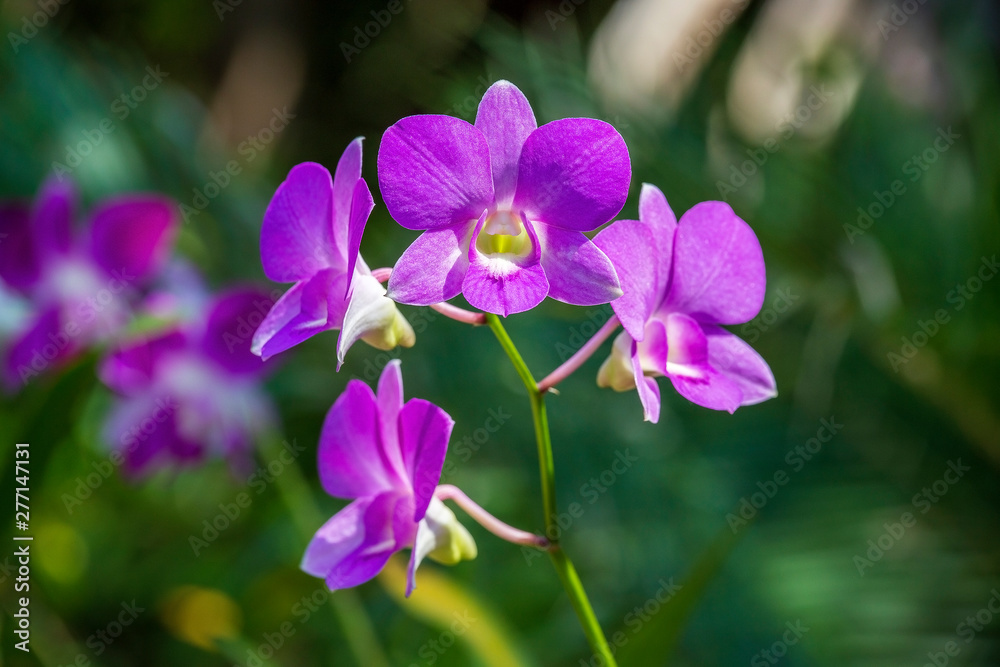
x=824, y=103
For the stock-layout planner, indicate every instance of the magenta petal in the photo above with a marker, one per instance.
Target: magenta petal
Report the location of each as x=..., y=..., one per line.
x=630, y=246
x=47, y=344
x=506, y=118
x=689, y=369
x=655, y=212
x=352, y=461
x=231, y=322
x=296, y=238
x=713, y=390
x=501, y=285
x=340, y=536
x=390, y=402
x=132, y=367
x=574, y=173
x=649, y=392
x=434, y=171
x=53, y=217
x=308, y=308
x=361, y=207
x=130, y=237
x=577, y=270
x=718, y=274
x=432, y=269
x=19, y=262
x=424, y=431
x=345, y=179
x=126, y=429
x=735, y=359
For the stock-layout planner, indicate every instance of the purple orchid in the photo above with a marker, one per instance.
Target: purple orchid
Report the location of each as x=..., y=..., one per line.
x=191, y=391
x=386, y=456
x=80, y=287
x=504, y=204
x=681, y=281
x=311, y=236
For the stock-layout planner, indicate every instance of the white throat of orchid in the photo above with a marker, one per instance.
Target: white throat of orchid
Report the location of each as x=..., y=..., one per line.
x=504, y=236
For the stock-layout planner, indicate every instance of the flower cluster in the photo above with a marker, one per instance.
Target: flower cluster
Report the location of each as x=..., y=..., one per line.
x=503, y=205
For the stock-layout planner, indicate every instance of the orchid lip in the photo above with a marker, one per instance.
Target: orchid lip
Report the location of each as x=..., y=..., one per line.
x=504, y=236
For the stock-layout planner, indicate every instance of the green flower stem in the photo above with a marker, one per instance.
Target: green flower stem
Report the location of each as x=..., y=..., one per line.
x=564, y=566
x=347, y=606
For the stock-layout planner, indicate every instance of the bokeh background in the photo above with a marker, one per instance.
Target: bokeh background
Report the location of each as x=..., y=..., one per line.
x=796, y=112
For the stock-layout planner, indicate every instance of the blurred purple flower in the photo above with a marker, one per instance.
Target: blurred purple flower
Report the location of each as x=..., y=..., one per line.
x=682, y=281
x=191, y=391
x=504, y=204
x=386, y=456
x=311, y=236
x=79, y=286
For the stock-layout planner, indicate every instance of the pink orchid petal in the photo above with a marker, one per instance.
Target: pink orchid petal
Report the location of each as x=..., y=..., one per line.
x=577, y=270
x=434, y=171
x=131, y=236
x=506, y=119
x=656, y=214
x=718, y=274
x=361, y=207
x=735, y=359
x=649, y=392
x=296, y=238
x=505, y=285
x=424, y=431
x=19, y=262
x=344, y=186
x=432, y=269
x=631, y=247
x=574, y=173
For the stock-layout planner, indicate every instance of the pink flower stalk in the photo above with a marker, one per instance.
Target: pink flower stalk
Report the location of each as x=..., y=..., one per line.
x=681, y=282
x=386, y=457
x=80, y=286
x=503, y=205
x=311, y=236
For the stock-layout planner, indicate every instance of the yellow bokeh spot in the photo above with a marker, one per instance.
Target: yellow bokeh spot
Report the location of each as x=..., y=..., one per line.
x=201, y=616
x=64, y=556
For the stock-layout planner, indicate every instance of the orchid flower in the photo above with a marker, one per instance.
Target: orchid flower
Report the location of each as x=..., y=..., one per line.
x=386, y=457
x=681, y=281
x=79, y=286
x=192, y=391
x=311, y=236
x=504, y=204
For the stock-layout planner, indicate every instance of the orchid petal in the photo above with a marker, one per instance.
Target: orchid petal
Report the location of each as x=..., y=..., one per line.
x=424, y=431
x=296, y=237
x=130, y=237
x=649, y=392
x=132, y=367
x=718, y=274
x=432, y=269
x=19, y=262
x=504, y=284
x=434, y=171
x=361, y=208
x=656, y=214
x=344, y=188
x=353, y=461
x=371, y=314
x=506, y=119
x=734, y=358
x=631, y=247
x=53, y=217
x=574, y=173
x=577, y=270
